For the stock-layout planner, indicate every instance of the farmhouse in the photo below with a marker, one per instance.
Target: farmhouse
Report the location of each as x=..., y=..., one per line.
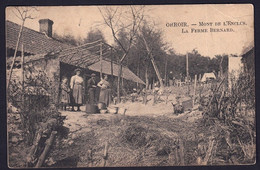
x=57, y=59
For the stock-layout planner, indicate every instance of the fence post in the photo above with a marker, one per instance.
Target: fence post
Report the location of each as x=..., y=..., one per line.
x=194, y=92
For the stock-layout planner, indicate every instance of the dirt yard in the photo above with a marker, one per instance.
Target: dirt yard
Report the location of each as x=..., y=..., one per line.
x=147, y=135
x=148, y=140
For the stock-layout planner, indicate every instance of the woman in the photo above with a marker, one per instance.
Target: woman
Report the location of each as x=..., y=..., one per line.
x=92, y=84
x=105, y=91
x=76, y=84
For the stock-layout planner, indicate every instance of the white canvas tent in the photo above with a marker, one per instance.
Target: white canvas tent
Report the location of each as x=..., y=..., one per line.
x=208, y=76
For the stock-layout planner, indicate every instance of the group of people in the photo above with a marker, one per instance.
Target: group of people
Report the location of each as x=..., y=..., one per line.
x=72, y=93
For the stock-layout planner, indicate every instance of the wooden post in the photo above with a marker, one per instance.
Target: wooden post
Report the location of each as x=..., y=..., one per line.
x=165, y=72
x=187, y=65
x=46, y=149
x=118, y=82
x=194, y=91
x=146, y=85
x=111, y=62
x=101, y=58
x=138, y=71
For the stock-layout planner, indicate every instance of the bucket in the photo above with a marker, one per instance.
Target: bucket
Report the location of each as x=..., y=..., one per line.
x=101, y=106
x=91, y=108
x=103, y=111
x=112, y=110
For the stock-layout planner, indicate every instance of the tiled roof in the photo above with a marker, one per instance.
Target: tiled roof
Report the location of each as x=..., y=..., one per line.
x=34, y=42
x=106, y=69
x=40, y=45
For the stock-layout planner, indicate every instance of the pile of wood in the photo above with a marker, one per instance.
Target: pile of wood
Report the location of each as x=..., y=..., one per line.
x=44, y=139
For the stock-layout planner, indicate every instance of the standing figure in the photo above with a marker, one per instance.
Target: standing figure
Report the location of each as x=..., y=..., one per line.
x=105, y=91
x=76, y=84
x=65, y=93
x=92, y=85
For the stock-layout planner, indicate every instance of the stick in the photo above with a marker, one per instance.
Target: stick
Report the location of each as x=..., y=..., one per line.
x=46, y=149
x=105, y=154
x=176, y=156
x=90, y=159
x=208, y=154
x=181, y=152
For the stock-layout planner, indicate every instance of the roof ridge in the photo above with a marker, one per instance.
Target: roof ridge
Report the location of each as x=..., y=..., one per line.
x=40, y=33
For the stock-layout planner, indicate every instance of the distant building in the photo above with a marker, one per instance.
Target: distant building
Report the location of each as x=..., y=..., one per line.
x=248, y=58
x=208, y=76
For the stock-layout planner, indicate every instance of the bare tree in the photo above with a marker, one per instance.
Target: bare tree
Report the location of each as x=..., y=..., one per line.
x=146, y=32
x=23, y=13
x=128, y=19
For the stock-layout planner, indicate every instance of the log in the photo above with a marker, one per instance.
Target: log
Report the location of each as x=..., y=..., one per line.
x=46, y=149
x=30, y=156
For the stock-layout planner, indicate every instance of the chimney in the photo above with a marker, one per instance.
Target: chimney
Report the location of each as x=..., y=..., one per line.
x=46, y=26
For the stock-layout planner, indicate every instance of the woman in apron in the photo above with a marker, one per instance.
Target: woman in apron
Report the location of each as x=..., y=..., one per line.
x=76, y=84
x=105, y=91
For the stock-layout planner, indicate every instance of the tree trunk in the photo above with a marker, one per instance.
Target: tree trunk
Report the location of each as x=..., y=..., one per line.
x=154, y=64
x=165, y=72
x=15, y=52
x=157, y=72
x=101, y=58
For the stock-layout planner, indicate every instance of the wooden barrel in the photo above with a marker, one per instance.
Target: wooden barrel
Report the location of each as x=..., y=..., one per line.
x=90, y=108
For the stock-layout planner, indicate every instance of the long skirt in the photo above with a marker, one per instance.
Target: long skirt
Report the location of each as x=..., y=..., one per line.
x=105, y=96
x=65, y=97
x=91, y=96
x=77, y=93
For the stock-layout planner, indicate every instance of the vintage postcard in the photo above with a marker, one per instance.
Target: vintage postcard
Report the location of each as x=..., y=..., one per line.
x=127, y=86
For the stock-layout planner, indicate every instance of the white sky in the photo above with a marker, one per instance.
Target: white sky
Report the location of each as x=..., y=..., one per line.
x=79, y=20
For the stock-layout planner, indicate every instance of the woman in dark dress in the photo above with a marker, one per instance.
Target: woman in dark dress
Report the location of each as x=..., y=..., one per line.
x=92, y=89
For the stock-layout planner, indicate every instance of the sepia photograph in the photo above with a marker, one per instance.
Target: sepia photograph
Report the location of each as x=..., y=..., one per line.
x=130, y=85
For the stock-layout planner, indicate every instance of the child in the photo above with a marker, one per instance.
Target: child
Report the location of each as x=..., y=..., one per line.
x=65, y=93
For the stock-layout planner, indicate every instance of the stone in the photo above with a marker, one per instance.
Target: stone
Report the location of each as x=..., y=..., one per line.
x=14, y=139
x=70, y=142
